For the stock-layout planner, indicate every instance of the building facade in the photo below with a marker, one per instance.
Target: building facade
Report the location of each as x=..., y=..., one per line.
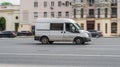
x=43, y=9
x=101, y=15
x=9, y=18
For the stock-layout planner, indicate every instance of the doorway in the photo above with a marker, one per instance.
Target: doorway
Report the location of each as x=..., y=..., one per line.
x=2, y=23
x=90, y=25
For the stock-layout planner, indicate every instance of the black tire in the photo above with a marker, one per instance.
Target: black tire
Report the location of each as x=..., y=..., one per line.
x=44, y=40
x=79, y=41
x=51, y=42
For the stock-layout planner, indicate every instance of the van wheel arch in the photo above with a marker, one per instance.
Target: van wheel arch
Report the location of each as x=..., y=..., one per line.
x=42, y=37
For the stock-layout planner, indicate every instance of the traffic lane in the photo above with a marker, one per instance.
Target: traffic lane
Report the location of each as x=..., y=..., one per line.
x=62, y=49
x=65, y=60
x=28, y=45
x=24, y=51
x=31, y=41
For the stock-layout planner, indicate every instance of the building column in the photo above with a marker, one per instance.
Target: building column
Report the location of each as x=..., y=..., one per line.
x=118, y=27
x=9, y=22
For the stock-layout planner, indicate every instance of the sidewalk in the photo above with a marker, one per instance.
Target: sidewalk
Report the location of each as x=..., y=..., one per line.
x=112, y=37
x=25, y=37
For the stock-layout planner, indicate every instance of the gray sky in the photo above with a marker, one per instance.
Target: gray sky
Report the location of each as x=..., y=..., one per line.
x=16, y=2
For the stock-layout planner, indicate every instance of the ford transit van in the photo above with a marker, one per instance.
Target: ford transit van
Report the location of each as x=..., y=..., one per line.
x=49, y=30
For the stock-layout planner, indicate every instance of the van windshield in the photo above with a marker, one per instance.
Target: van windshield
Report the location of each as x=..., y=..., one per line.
x=78, y=26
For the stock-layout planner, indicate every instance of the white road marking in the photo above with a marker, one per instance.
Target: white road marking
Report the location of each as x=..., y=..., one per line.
x=21, y=65
x=72, y=55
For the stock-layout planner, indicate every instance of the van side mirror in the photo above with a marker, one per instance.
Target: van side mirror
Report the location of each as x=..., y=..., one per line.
x=76, y=31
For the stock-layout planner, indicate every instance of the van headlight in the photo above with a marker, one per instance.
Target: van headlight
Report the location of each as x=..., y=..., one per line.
x=86, y=35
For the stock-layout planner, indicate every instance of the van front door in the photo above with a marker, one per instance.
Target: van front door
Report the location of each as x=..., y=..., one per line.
x=56, y=31
x=70, y=32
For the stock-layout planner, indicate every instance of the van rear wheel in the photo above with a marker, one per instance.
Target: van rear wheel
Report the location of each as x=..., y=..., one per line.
x=79, y=41
x=45, y=40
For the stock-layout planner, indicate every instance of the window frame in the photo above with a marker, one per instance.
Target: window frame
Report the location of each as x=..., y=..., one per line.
x=114, y=27
x=75, y=31
x=53, y=26
x=45, y=3
x=52, y=3
x=45, y=14
x=35, y=4
x=59, y=3
x=35, y=15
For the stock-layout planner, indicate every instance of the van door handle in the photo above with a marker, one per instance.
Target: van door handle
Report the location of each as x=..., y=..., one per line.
x=61, y=32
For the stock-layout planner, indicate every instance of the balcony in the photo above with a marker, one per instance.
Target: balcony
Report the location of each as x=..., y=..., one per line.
x=91, y=16
x=75, y=4
x=114, y=4
x=91, y=4
x=113, y=16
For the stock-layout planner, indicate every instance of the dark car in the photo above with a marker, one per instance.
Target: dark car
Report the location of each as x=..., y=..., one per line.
x=24, y=33
x=95, y=33
x=8, y=34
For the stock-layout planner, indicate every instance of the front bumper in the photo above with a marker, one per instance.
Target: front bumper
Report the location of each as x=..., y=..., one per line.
x=86, y=39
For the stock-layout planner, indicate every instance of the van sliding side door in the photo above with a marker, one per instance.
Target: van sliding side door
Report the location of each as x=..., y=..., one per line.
x=56, y=31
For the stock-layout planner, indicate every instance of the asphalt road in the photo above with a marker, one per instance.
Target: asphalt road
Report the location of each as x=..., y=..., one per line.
x=25, y=52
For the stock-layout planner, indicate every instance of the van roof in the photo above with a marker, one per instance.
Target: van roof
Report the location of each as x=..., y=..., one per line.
x=61, y=20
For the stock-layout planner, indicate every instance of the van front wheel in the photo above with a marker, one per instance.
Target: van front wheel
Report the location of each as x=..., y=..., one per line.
x=45, y=40
x=79, y=41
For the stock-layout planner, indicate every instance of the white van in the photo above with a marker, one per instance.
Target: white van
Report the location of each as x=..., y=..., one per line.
x=48, y=30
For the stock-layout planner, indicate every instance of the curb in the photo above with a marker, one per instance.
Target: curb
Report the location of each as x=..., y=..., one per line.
x=25, y=37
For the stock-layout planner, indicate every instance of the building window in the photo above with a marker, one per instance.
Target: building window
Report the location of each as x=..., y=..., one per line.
x=74, y=1
x=35, y=15
x=45, y=14
x=45, y=4
x=114, y=27
x=67, y=14
x=106, y=0
x=91, y=13
x=59, y=14
x=74, y=13
x=82, y=13
x=98, y=26
x=67, y=3
x=59, y=3
x=106, y=26
x=81, y=0
x=106, y=12
x=114, y=13
x=56, y=26
x=52, y=3
x=82, y=25
x=98, y=12
x=52, y=14
x=35, y=4
x=91, y=2
x=114, y=3
x=16, y=18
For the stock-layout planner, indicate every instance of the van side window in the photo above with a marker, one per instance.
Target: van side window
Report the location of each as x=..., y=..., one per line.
x=56, y=26
x=68, y=27
x=71, y=28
